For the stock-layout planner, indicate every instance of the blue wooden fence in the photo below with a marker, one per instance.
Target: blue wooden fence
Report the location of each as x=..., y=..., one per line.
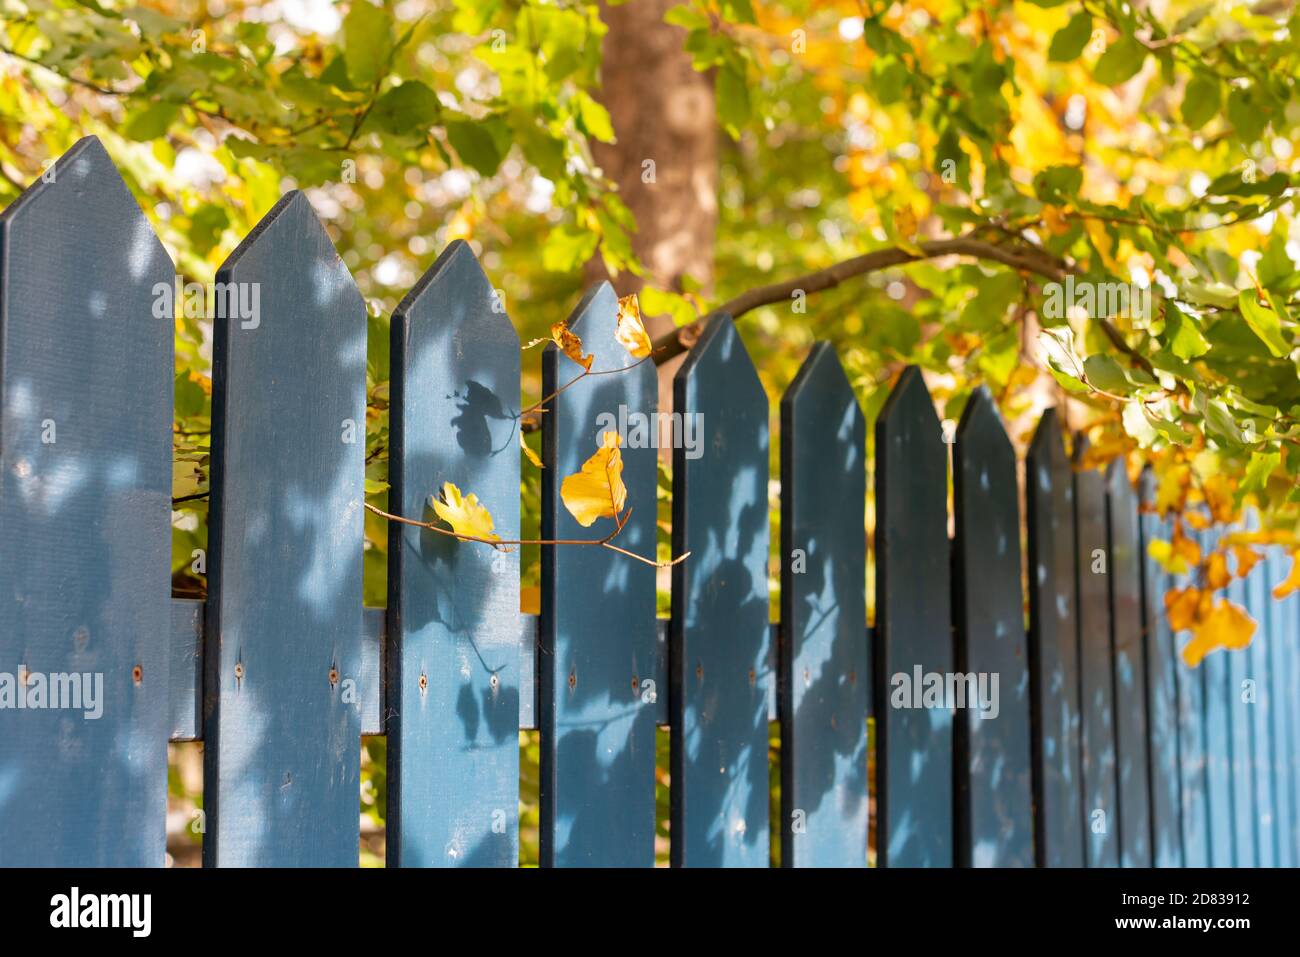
x=1095, y=747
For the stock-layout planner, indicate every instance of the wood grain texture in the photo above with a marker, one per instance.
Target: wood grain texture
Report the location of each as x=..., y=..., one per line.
x=1124, y=559
x=1162, y=687
x=823, y=670
x=993, y=786
x=720, y=653
x=282, y=643
x=1053, y=649
x=1260, y=713
x=453, y=607
x=85, y=495
x=914, y=798
x=1096, y=672
x=597, y=630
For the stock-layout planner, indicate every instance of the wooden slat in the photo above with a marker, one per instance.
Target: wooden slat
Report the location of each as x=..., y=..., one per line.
x=453, y=607
x=823, y=670
x=282, y=651
x=1193, y=744
x=1218, y=749
x=720, y=656
x=1124, y=559
x=185, y=696
x=1162, y=689
x=597, y=631
x=1261, y=713
x=994, y=790
x=1053, y=649
x=1289, y=615
x=1280, y=689
x=914, y=807
x=1241, y=728
x=85, y=486
x=1096, y=673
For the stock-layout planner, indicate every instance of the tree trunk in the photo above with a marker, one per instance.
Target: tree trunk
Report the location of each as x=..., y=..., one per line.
x=666, y=159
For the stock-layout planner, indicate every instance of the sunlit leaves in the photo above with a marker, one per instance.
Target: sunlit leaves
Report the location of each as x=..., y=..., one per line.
x=597, y=490
x=464, y=513
x=630, y=332
x=1265, y=322
x=367, y=42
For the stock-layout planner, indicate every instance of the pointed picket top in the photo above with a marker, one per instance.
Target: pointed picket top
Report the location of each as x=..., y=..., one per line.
x=453, y=607
x=595, y=319
x=823, y=608
x=979, y=419
x=910, y=405
x=1047, y=447
x=285, y=549
x=455, y=288
x=720, y=348
x=86, y=371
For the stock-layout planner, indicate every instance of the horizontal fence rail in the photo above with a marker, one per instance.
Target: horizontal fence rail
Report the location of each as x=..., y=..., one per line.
x=1026, y=698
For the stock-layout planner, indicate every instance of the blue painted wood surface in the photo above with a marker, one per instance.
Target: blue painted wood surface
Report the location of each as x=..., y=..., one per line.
x=453, y=607
x=823, y=670
x=1124, y=568
x=914, y=809
x=1218, y=747
x=597, y=629
x=282, y=639
x=1053, y=649
x=1242, y=703
x=1278, y=622
x=993, y=786
x=1096, y=674
x=85, y=499
x=1162, y=688
x=1261, y=713
x=720, y=657
x=1193, y=759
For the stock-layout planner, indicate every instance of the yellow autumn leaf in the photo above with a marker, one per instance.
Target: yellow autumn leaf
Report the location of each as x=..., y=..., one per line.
x=464, y=513
x=597, y=490
x=1181, y=605
x=1292, y=580
x=1247, y=558
x=630, y=331
x=570, y=344
x=1218, y=490
x=532, y=456
x=1216, y=571
x=1226, y=626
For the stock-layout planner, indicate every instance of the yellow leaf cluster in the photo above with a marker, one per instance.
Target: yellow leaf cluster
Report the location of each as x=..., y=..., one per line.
x=464, y=513
x=597, y=490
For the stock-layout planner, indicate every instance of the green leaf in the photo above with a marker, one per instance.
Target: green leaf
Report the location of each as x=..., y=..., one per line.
x=1261, y=466
x=594, y=118
x=367, y=41
x=1106, y=374
x=475, y=145
x=566, y=248
x=406, y=110
x=733, y=100
x=1069, y=41
x=1201, y=100
x=1120, y=62
x=1184, y=338
x=152, y=122
x=1058, y=182
x=1265, y=323
x=1248, y=114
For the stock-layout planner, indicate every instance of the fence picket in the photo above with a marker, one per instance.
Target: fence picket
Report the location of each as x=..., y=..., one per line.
x=823, y=670
x=721, y=658
x=1096, y=673
x=1279, y=691
x=914, y=797
x=85, y=495
x=453, y=607
x=1193, y=755
x=994, y=792
x=1218, y=748
x=1053, y=649
x=1162, y=688
x=1242, y=732
x=282, y=639
x=597, y=628
x=1124, y=575
x=1260, y=714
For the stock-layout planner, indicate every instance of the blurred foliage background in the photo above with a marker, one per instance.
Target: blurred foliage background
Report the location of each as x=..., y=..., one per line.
x=1151, y=144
